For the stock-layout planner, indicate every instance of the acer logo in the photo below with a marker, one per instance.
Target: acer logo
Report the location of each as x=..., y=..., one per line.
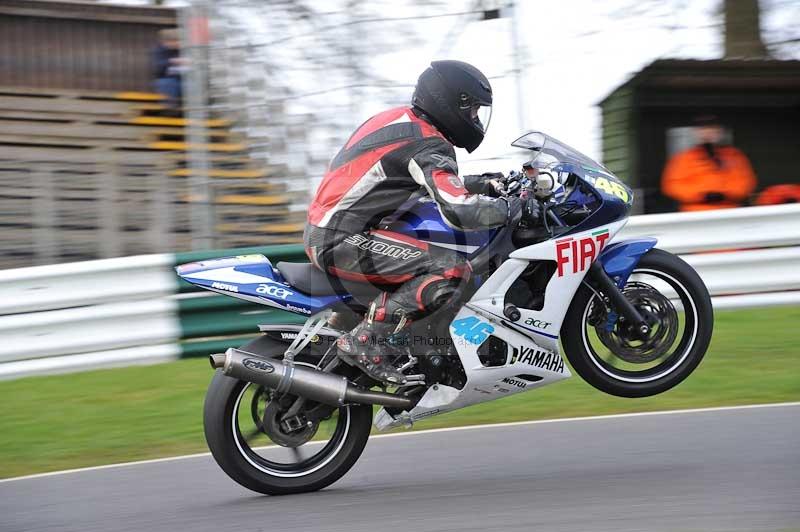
x=258, y=365
x=539, y=324
x=577, y=255
x=273, y=290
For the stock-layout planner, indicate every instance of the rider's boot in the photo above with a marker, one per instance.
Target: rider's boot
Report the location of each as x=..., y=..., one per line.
x=343, y=320
x=376, y=343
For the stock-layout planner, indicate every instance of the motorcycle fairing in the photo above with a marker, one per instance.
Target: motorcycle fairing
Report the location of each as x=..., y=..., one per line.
x=252, y=278
x=534, y=336
x=528, y=366
x=620, y=258
x=573, y=254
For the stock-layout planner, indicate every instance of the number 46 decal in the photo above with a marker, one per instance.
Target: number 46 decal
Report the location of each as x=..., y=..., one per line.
x=612, y=187
x=472, y=329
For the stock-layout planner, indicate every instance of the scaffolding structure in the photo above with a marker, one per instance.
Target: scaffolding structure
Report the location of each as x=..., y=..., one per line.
x=297, y=77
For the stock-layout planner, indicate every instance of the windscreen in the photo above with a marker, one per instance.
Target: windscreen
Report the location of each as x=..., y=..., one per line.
x=559, y=158
x=552, y=150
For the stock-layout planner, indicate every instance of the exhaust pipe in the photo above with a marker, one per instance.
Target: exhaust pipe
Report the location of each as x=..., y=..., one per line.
x=327, y=388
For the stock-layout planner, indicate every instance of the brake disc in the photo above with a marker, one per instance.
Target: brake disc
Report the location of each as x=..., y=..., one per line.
x=660, y=315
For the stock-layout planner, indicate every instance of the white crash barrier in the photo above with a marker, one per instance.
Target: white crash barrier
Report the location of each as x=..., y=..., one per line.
x=131, y=356
x=749, y=227
x=117, y=312
x=86, y=283
x=771, y=299
x=87, y=329
x=747, y=271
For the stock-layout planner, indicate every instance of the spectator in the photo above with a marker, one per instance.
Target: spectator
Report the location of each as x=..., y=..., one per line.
x=168, y=66
x=711, y=175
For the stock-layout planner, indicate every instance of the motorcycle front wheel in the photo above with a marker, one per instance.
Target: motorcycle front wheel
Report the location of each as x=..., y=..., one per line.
x=245, y=430
x=605, y=351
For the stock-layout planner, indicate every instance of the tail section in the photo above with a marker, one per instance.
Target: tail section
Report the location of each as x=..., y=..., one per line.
x=252, y=278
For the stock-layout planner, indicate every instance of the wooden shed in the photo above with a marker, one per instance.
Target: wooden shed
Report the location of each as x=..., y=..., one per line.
x=78, y=45
x=757, y=101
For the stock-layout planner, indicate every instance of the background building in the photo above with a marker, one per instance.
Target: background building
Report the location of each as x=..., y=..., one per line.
x=646, y=119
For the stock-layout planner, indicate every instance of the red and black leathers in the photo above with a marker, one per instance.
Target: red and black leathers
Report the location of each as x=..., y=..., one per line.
x=390, y=157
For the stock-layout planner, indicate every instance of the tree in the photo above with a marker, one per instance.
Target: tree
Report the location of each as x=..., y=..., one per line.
x=743, y=30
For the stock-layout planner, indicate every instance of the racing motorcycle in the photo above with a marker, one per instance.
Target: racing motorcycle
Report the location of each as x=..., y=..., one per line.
x=285, y=414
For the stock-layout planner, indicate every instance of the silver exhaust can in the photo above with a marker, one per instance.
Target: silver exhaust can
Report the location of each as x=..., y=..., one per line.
x=326, y=388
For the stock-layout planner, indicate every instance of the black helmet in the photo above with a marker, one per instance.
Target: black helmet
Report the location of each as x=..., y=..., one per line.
x=457, y=98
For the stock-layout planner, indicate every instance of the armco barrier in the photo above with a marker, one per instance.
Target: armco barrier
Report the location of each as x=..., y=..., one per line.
x=119, y=312
x=749, y=271
x=86, y=283
x=690, y=232
x=86, y=329
x=133, y=310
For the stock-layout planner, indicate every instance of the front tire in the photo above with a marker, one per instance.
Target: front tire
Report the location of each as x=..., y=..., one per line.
x=648, y=371
x=247, y=466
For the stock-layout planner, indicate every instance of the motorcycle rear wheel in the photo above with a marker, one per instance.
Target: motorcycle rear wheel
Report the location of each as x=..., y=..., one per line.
x=255, y=467
x=617, y=364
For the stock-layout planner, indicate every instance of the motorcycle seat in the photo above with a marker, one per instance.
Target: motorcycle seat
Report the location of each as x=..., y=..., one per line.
x=310, y=280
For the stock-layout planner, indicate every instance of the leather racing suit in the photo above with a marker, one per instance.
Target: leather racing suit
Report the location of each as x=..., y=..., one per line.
x=390, y=157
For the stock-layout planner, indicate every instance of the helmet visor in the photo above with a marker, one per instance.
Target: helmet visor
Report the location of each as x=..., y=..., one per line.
x=481, y=115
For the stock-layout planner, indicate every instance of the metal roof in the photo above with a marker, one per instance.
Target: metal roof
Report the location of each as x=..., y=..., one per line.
x=716, y=74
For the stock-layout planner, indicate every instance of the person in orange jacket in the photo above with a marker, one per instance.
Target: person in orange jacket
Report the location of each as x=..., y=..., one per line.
x=709, y=175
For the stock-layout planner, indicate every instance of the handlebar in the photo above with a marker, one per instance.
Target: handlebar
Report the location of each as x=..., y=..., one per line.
x=520, y=184
x=517, y=183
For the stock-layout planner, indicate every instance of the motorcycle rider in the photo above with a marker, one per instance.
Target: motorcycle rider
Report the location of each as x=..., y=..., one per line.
x=390, y=157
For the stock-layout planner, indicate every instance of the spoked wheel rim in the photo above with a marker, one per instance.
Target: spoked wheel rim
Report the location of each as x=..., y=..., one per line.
x=647, y=367
x=255, y=446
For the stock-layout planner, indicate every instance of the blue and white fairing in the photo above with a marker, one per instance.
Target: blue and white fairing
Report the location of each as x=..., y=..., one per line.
x=424, y=221
x=252, y=278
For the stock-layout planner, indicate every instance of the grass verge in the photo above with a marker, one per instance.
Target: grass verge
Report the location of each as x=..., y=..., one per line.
x=107, y=416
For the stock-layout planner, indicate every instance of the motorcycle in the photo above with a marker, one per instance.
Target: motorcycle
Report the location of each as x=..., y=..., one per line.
x=284, y=414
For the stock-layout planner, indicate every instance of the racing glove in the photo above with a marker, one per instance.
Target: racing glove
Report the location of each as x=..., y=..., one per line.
x=487, y=184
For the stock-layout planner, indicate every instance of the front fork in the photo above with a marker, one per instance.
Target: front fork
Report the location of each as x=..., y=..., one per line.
x=618, y=301
x=609, y=288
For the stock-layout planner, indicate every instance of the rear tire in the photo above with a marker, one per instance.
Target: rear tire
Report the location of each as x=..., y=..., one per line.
x=691, y=349
x=245, y=466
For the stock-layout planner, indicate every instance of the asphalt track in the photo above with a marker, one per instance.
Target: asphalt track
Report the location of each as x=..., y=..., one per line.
x=732, y=469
